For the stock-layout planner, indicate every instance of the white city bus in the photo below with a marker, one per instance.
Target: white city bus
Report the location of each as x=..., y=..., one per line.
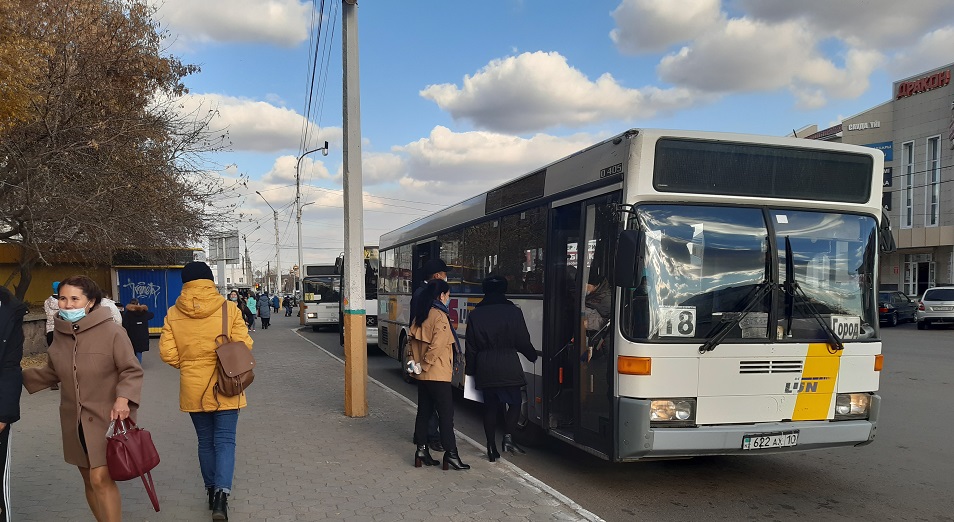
x=689, y=293
x=321, y=293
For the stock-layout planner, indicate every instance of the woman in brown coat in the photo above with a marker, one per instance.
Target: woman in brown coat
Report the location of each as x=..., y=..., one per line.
x=433, y=342
x=93, y=358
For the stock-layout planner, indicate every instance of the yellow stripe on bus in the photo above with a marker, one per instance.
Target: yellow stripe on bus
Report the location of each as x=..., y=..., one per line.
x=817, y=385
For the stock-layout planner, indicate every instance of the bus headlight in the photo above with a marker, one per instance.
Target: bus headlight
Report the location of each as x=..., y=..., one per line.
x=852, y=405
x=310, y=315
x=672, y=412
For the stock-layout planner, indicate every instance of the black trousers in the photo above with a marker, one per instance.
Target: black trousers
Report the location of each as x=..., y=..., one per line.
x=433, y=395
x=5, y=473
x=266, y=321
x=492, y=407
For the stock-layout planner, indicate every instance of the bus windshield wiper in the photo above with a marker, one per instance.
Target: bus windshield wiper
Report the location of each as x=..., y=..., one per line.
x=792, y=290
x=731, y=319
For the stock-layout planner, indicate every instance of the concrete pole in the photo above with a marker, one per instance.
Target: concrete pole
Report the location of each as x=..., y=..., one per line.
x=355, y=333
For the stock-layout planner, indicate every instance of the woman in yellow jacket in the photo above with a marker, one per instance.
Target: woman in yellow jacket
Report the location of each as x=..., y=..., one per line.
x=433, y=343
x=188, y=343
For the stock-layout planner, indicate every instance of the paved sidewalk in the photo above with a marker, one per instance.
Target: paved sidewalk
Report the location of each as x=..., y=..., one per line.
x=298, y=458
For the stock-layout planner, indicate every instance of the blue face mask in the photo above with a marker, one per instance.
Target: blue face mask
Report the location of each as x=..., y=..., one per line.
x=73, y=315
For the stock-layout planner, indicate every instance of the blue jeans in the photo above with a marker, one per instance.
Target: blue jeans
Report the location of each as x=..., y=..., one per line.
x=216, y=433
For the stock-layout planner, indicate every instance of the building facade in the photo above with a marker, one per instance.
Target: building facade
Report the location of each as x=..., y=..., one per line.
x=915, y=130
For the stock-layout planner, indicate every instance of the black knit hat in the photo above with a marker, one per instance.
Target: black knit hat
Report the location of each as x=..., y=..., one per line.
x=494, y=284
x=196, y=270
x=433, y=266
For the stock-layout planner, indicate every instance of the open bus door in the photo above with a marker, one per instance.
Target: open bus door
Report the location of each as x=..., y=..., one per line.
x=578, y=367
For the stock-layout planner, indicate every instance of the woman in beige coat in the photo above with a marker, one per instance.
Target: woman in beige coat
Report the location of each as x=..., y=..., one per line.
x=433, y=342
x=92, y=357
x=188, y=344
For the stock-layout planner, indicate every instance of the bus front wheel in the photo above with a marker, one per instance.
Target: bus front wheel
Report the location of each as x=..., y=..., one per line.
x=402, y=357
x=315, y=328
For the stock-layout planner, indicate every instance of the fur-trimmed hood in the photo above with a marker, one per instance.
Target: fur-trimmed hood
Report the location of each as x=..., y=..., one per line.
x=136, y=308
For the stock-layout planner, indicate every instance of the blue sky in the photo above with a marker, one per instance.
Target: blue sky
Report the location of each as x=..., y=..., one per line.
x=457, y=97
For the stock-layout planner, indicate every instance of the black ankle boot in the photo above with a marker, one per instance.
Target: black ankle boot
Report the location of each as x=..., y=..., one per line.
x=452, y=459
x=220, y=506
x=492, y=453
x=509, y=446
x=211, y=492
x=423, y=456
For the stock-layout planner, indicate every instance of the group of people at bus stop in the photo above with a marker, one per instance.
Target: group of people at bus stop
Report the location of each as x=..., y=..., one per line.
x=496, y=333
x=92, y=359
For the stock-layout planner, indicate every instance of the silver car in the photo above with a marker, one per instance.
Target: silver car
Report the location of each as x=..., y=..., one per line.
x=936, y=306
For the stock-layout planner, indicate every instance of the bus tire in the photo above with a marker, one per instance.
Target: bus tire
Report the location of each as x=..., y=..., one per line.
x=528, y=433
x=402, y=349
x=315, y=328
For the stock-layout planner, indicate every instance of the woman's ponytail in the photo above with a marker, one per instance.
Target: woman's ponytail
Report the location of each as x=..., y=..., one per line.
x=432, y=290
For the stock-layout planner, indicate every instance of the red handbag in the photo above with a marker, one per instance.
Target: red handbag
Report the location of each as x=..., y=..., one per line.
x=130, y=453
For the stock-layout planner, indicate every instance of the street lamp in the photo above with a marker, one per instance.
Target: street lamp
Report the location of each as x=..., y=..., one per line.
x=278, y=255
x=298, y=205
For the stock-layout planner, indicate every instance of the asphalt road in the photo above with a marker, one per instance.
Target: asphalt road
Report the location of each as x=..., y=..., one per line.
x=906, y=474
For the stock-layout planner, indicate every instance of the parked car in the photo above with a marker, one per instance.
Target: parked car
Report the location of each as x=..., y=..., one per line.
x=895, y=307
x=936, y=306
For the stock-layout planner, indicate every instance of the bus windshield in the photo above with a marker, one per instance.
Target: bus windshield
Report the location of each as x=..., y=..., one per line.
x=703, y=265
x=324, y=289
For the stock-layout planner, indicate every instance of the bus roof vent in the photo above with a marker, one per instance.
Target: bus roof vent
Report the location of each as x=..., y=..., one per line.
x=765, y=366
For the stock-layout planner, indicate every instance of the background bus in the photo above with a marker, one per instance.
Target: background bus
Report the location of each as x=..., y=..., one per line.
x=321, y=293
x=371, y=268
x=689, y=293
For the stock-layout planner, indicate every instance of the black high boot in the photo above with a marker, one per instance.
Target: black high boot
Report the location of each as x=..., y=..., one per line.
x=220, y=506
x=492, y=453
x=211, y=492
x=509, y=446
x=452, y=459
x=423, y=456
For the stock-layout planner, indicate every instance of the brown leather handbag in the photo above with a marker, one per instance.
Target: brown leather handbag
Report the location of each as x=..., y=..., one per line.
x=234, y=362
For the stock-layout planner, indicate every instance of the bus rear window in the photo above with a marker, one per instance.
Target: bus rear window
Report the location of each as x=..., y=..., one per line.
x=738, y=169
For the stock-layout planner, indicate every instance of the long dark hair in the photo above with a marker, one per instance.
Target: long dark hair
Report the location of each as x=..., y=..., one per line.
x=432, y=290
x=89, y=287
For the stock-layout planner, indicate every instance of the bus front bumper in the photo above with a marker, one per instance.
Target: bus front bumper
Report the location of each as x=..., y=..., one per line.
x=637, y=440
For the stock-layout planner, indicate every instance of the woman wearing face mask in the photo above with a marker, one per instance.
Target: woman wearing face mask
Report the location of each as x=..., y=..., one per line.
x=433, y=343
x=93, y=358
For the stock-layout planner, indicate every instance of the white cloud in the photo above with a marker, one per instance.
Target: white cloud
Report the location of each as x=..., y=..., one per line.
x=255, y=125
x=880, y=24
x=278, y=22
x=750, y=55
x=933, y=50
x=651, y=25
x=534, y=91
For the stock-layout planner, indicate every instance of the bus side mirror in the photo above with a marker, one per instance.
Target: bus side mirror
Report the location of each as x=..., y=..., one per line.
x=885, y=236
x=339, y=265
x=628, y=258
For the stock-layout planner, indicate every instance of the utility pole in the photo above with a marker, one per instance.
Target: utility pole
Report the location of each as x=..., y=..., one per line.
x=355, y=335
x=248, y=263
x=278, y=251
x=298, y=205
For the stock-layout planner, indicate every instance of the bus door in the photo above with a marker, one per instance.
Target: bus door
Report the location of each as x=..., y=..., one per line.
x=421, y=253
x=578, y=353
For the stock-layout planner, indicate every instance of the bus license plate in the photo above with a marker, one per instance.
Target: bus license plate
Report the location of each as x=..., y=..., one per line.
x=769, y=440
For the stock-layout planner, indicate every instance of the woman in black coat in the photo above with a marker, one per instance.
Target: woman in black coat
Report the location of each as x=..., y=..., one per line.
x=496, y=333
x=136, y=322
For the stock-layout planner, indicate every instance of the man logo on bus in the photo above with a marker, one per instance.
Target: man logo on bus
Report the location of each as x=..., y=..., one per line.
x=805, y=384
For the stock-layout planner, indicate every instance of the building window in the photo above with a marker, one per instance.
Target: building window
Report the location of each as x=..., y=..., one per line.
x=907, y=191
x=228, y=279
x=932, y=199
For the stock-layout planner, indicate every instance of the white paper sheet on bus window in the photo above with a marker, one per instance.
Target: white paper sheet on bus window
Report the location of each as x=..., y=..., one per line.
x=470, y=389
x=677, y=321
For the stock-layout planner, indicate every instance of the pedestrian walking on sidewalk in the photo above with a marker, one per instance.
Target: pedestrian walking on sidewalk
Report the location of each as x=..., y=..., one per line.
x=287, y=304
x=496, y=333
x=51, y=308
x=433, y=345
x=188, y=342
x=252, y=304
x=431, y=269
x=275, y=303
x=102, y=381
x=11, y=383
x=136, y=322
x=265, y=310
